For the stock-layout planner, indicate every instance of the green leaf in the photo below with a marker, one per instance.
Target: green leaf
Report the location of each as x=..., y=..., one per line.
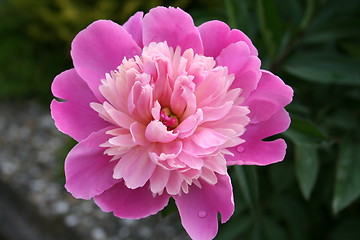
x=303, y=131
x=232, y=229
x=325, y=68
x=307, y=138
x=230, y=10
x=347, y=229
x=347, y=181
x=248, y=181
x=270, y=24
x=273, y=230
x=306, y=167
x=329, y=35
x=292, y=213
x=169, y=209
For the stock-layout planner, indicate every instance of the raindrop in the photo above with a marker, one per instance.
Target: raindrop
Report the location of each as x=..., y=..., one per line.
x=240, y=149
x=202, y=214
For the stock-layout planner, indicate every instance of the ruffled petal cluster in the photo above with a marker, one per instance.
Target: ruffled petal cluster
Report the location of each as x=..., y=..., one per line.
x=160, y=108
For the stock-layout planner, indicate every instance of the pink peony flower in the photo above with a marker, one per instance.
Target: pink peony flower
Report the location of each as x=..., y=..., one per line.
x=160, y=108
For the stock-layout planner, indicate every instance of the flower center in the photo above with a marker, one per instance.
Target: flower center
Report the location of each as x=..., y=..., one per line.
x=168, y=118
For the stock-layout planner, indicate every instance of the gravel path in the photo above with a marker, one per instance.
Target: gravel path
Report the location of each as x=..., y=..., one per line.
x=32, y=153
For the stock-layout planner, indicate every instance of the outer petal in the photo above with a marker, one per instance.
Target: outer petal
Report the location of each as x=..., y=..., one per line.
x=254, y=151
x=131, y=203
x=134, y=27
x=259, y=153
x=172, y=25
x=246, y=67
x=270, y=95
x=199, y=208
x=278, y=123
x=74, y=117
x=88, y=170
x=100, y=49
x=216, y=36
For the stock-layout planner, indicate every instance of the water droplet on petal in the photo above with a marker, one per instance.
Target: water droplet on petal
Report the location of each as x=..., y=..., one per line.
x=202, y=214
x=240, y=149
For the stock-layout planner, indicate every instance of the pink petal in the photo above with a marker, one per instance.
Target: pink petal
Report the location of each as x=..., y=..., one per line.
x=140, y=102
x=131, y=203
x=88, y=170
x=199, y=208
x=207, y=137
x=135, y=167
x=137, y=131
x=172, y=25
x=74, y=117
x=270, y=95
x=155, y=111
x=122, y=140
x=189, y=125
x=217, y=163
x=257, y=152
x=216, y=113
x=134, y=27
x=174, y=183
x=191, y=161
x=277, y=123
x=159, y=179
x=156, y=131
x=208, y=176
x=216, y=36
x=246, y=67
x=165, y=154
x=100, y=49
x=193, y=149
x=236, y=120
x=118, y=118
x=183, y=90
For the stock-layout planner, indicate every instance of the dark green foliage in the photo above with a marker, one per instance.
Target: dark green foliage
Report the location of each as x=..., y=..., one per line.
x=314, y=194
x=313, y=45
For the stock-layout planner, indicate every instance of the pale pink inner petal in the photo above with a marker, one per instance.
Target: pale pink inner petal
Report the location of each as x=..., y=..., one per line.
x=174, y=115
x=135, y=167
x=156, y=131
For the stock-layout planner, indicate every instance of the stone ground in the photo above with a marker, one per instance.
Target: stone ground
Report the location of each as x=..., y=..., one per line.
x=33, y=201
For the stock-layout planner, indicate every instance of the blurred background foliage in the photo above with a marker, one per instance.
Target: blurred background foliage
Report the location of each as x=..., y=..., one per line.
x=313, y=45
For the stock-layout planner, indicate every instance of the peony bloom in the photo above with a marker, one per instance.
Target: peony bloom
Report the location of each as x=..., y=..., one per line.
x=160, y=108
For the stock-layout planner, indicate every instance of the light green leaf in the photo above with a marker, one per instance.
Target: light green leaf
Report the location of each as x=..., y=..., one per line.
x=347, y=181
